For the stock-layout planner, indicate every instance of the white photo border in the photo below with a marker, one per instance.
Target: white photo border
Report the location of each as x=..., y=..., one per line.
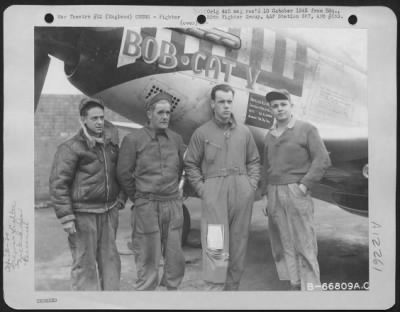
x=19, y=290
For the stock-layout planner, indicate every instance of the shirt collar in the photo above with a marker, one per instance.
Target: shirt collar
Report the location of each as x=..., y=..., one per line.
x=290, y=125
x=231, y=122
x=153, y=133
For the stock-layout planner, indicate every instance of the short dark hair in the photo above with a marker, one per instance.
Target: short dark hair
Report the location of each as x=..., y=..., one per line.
x=89, y=105
x=221, y=87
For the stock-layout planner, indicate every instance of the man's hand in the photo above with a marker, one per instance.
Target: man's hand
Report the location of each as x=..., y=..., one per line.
x=303, y=188
x=120, y=205
x=69, y=227
x=264, y=205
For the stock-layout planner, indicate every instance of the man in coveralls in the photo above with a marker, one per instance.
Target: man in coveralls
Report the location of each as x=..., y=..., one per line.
x=222, y=164
x=295, y=157
x=86, y=196
x=150, y=166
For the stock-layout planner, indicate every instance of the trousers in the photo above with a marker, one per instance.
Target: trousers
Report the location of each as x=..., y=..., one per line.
x=292, y=234
x=96, y=263
x=158, y=231
x=227, y=201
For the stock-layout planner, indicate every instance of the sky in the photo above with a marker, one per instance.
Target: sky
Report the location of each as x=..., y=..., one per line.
x=56, y=81
x=351, y=43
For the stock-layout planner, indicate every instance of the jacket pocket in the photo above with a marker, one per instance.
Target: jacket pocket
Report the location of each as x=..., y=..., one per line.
x=93, y=192
x=211, y=150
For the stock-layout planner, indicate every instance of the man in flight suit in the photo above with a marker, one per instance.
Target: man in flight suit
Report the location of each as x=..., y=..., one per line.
x=222, y=164
x=295, y=158
x=150, y=165
x=86, y=196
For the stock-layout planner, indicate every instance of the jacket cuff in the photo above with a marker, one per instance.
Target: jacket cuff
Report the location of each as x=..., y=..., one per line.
x=67, y=218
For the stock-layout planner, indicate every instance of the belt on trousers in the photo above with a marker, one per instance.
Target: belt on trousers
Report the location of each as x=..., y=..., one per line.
x=151, y=196
x=225, y=172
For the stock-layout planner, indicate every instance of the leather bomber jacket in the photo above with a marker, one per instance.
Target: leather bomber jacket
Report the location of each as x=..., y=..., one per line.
x=83, y=179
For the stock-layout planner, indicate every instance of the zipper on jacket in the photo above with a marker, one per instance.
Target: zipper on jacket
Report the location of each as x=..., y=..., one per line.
x=107, y=182
x=227, y=139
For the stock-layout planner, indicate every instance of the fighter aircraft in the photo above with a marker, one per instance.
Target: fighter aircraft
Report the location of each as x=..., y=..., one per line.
x=126, y=66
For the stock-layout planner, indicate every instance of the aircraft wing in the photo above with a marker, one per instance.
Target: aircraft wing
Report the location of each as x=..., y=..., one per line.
x=346, y=182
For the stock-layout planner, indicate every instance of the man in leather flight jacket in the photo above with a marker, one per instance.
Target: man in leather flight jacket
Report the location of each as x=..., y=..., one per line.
x=86, y=197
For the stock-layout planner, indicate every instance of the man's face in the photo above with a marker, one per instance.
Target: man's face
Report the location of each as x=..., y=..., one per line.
x=159, y=116
x=222, y=105
x=281, y=109
x=94, y=120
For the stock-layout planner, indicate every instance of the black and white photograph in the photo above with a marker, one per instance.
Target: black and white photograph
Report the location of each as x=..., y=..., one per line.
x=223, y=160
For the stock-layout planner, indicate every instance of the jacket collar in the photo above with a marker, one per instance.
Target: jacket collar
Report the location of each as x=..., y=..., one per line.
x=110, y=135
x=153, y=133
x=231, y=124
x=290, y=125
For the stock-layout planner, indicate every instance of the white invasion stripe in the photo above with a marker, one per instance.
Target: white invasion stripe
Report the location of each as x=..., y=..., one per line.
x=125, y=60
x=244, y=52
x=290, y=58
x=122, y=58
x=162, y=34
x=192, y=45
x=269, y=49
x=218, y=50
x=224, y=29
x=312, y=56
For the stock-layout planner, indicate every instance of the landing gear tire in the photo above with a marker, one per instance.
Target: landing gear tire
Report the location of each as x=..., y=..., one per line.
x=186, y=225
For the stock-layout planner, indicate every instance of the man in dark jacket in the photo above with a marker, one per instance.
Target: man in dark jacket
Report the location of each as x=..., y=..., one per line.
x=86, y=196
x=150, y=165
